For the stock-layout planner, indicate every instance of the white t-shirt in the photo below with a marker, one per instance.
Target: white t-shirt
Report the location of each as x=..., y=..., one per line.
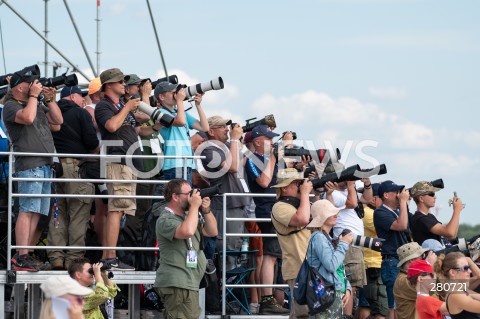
x=347, y=218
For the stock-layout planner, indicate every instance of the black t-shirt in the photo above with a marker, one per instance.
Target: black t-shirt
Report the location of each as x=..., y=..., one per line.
x=125, y=135
x=77, y=134
x=421, y=225
x=263, y=205
x=230, y=182
x=383, y=219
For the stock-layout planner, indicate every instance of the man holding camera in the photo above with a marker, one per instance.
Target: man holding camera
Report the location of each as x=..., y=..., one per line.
x=425, y=225
x=261, y=169
x=120, y=133
x=344, y=194
x=177, y=137
x=86, y=275
x=180, y=230
x=221, y=165
x=29, y=113
x=290, y=216
x=76, y=136
x=391, y=224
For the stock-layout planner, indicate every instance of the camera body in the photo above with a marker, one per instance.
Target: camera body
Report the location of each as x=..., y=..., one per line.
x=209, y=191
x=155, y=114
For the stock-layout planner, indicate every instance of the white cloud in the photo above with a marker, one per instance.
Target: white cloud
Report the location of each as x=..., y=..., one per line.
x=411, y=135
x=391, y=93
x=117, y=8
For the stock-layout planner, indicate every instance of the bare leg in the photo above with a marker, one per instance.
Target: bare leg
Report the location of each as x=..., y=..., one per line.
x=22, y=231
x=111, y=232
x=348, y=308
x=100, y=218
x=267, y=273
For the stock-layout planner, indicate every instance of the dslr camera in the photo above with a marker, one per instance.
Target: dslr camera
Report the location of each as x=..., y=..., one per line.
x=363, y=241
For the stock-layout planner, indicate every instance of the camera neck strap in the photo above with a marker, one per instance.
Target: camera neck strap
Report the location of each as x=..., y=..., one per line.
x=295, y=202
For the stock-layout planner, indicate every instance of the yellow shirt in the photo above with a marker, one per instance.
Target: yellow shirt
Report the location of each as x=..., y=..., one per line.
x=371, y=258
x=91, y=308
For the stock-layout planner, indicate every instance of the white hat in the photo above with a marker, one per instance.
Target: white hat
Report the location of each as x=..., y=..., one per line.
x=321, y=210
x=57, y=286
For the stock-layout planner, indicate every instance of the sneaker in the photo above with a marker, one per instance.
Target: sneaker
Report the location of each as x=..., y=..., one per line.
x=254, y=307
x=116, y=264
x=271, y=307
x=24, y=262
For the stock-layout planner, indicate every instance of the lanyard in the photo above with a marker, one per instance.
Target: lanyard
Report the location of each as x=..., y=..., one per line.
x=189, y=240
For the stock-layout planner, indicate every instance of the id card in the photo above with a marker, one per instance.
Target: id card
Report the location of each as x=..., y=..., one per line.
x=191, y=258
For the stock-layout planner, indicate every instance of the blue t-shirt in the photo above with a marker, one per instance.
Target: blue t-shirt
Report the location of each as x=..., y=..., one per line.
x=383, y=218
x=264, y=205
x=177, y=142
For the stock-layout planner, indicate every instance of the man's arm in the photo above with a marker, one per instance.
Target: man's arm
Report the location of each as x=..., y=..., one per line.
x=451, y=229
x=54, y=115
x=235, y=148
x=146, y=130
x=401, y=224
x=210, y=228
x=202, y=124
x=352, y=199
x=180, y=119
x=267, y=175
x=302, y=215
x=27, y=115
x=367, y=191
x=116, y=121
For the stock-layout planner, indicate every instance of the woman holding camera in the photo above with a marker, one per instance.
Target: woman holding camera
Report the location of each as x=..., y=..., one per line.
x=327, y=257
x=457, y=270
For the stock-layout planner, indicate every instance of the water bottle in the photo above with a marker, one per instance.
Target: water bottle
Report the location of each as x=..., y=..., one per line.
x=109, y=307
x=244, y=257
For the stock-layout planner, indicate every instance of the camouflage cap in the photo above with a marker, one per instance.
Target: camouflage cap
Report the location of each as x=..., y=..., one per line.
x=422, y=188
x=287, y=176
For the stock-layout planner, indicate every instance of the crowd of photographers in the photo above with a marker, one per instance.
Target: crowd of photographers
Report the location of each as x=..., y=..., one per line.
x=359, y=235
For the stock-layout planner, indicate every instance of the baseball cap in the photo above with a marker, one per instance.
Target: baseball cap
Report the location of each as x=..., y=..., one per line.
x=286, y=176
x=262, y=130
x=133, y=79
x=22, y=76
x=432, y=244
x=388, y=186
x=69, y=90
x=94, y=86
x=417, y=267
x=422, y=188
x=111, y=76
x=163, y=87
x=248, y=137
x=202, y=135
x=218, y=121
x=57, y=286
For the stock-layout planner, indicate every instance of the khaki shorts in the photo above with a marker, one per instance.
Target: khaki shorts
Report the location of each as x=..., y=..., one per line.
x=355, y=267
x=125, y=205
x=179, y=303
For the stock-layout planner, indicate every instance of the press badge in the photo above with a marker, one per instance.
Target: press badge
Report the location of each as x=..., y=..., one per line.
x=191, y=258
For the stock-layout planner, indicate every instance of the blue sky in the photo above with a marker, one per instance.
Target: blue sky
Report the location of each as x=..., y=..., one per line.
x=401, y=75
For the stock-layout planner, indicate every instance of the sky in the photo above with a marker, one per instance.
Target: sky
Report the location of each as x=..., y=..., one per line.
x=385, y=81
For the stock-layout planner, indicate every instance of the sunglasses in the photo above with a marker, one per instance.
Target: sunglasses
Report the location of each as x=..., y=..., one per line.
x=431, y=194
x=464, y=268
x=121, y=82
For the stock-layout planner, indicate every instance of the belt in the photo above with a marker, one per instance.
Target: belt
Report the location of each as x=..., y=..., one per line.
x=385, y=257
x=69, y=160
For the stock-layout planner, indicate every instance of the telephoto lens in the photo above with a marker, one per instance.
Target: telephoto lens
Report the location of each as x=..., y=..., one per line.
x=368, y=242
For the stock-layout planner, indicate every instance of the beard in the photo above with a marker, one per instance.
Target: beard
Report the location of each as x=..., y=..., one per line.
x=185, y=205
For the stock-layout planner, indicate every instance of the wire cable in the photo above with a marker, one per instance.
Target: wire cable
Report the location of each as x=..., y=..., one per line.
x=3, y=49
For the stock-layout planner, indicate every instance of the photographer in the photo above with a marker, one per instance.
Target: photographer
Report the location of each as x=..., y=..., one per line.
x=425, y=225
x=28, y=122
x=222, y=165
x=177, y=137
x=344, y=195
x=87, y=275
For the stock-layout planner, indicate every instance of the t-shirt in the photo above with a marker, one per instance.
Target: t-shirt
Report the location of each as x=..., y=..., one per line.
x=264, y=205
x=34, y=138
x=383, y=219
x=172, y=270
x=372, y=258
x=215, y=155
x=428, y=307
x=126, y=138
x=294, y=246
x=405, y=297
x=421, y=225
x=347, y=217
x=177, y=142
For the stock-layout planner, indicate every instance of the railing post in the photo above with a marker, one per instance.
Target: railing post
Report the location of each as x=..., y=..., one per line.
x=9, y=210
x=224, y=255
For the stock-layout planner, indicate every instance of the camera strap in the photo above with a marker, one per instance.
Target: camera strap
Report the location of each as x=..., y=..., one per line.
x=295, y=202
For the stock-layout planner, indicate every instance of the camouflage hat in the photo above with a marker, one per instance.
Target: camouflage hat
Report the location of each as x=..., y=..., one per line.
x=134, y=79
x=286, y=176
x=422, y=188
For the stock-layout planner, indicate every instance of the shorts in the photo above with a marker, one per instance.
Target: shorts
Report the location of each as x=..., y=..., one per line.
x=255, y=243
x=271, y=246
x=179, y=303
x=374, y=293
x=389, y=272
x=125, y=205
x=40, y=205
x=355, y=267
